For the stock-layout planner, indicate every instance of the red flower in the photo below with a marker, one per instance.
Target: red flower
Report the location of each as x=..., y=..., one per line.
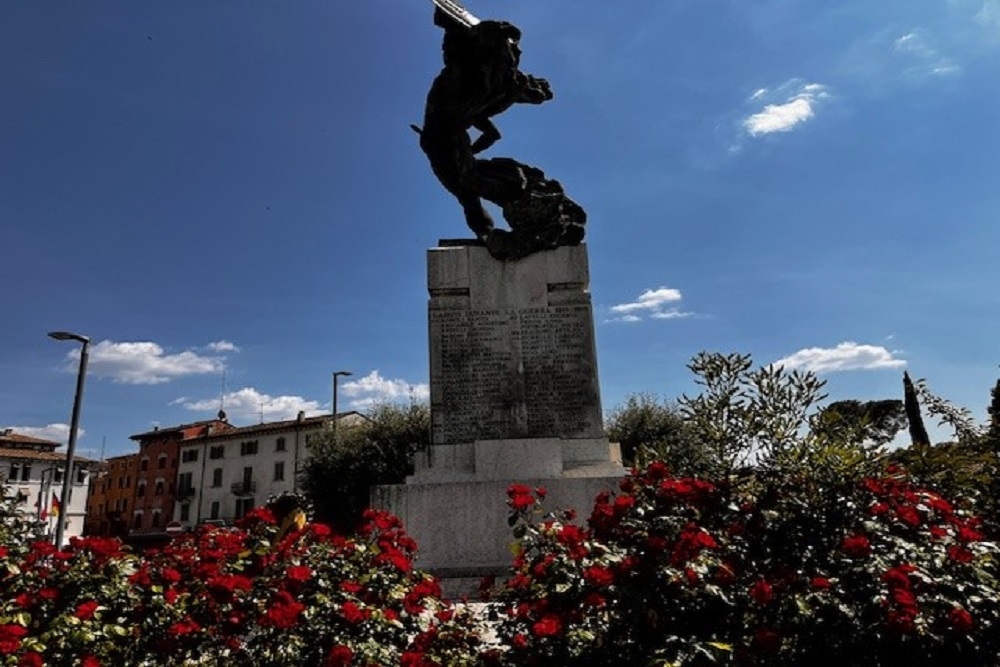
x=820, y=583
x=10, y=637
x=548, y=626
x=90, y=661
x=299, y=572
x=960, y=554
x=901, y=621
x=762, y=593
x=183, y=627
x=878, y=509
x=598, y=576
x=594, y=599
x=908, y=515
x=519, y=641
x=320, y=530
x=339, y=656
x=85, y=610
x=967, y=533
x=351, y=587
x=353, y=614
x=31, y=659
x=960, y=619
x=541, y=492
x=48, y=593
x=856, y=546
x=520, y=497
x=283, y=612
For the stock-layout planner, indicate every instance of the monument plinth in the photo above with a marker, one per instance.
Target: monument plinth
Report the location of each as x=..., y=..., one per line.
x=514, y=398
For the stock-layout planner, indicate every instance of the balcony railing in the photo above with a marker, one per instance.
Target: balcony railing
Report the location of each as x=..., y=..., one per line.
x=244, y=488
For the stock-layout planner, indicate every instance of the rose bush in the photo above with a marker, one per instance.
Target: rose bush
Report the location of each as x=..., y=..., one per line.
x=265, y=593
x=757, y=570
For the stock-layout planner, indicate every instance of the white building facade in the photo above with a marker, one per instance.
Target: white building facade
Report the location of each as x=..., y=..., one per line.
x=33, y=472
x=221, y=477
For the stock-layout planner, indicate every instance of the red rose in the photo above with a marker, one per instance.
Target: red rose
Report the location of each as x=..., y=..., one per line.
x=31, y=659
x=856, y=546
x=90, y=661
x=85, y=610
x=960, y=619
x=353, y=614
x=519, y=641
x=598, y=576
x=901, y=621
x=548, y=626
x=908, y=515
x=283, y=612
x=10, y=637
x=960, y=554
x=48, y=593
x=968, y=534
x=339, y=656
x=820, y=583
x=762, y=593
x=299, y=572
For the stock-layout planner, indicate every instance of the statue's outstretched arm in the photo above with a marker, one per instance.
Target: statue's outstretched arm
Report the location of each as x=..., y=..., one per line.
x=490, y=135
x=535, y=90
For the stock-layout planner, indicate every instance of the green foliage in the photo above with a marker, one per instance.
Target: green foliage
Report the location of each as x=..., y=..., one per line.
x=857, y=421
x=340, y=471
x=993, y=428
x=648, y=428
x=745, y=416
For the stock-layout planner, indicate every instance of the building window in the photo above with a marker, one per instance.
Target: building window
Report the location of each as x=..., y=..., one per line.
x=217, y=452
x=143, y=464
x=81, y=476
x=185, y=511
x=128, y=481
x=185, y=484
x=279, y=445
x=137, y=520
x=243, y=507
x=58, y=475
x=159, y=487
x=161, y=462
x=14, y=470
x=214, y=511
x=155, y=523
x=25, y=472
x=279, y=471
x=248, y=448
x=189, y=455
x=217, y=477
x=124, y=504
x=140, y=489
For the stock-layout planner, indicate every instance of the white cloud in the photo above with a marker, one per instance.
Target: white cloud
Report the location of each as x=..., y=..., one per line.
x=143, y=362
x=222, y=346
x=53, y=432
x=246, y=405
x=651, y=299
x=847, y=356
x=373, y=389
x=652, y=303
x=797, y=107
x=989, y=14
x=917, y=46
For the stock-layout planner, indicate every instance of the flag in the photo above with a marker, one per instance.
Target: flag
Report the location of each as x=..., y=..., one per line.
x=55, y=505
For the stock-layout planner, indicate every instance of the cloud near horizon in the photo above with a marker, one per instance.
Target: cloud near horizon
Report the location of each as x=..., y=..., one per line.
x=54, y=432
x=248, y=404
x=143, y=362
x=799, y=105
x=847, y=356
x=373, y=389
x=653, y=303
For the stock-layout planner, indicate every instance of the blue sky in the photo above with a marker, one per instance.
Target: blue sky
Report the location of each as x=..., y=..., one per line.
x=232, y=187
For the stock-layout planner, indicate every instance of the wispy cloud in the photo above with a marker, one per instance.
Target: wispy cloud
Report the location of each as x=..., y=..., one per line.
x=53, y=432
x=926, y=58
x=797, y=104
x=653, y=303
x=222, y=346
x=249, y=404
x=373, y=389
x=847, y=356
x=144, y=362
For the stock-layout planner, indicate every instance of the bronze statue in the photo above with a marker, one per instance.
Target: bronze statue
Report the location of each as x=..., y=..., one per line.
x=481, y=79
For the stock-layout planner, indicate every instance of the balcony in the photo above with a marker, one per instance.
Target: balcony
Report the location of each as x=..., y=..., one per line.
x=244, y=488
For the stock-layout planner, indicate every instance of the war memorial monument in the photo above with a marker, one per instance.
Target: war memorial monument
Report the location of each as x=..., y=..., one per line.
x=514, y=388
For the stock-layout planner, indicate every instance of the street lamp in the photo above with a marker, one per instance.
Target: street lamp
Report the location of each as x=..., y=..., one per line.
x=337, y=374
x=74, y=423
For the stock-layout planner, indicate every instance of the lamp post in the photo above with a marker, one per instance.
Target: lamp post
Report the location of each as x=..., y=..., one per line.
x=336, y=375
x=74, y=423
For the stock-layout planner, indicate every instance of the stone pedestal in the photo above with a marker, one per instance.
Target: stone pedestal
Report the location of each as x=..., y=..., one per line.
x=514, y=398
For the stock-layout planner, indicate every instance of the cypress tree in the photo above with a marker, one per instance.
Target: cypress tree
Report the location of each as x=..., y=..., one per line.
x=918, y=434
x=993, y=432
